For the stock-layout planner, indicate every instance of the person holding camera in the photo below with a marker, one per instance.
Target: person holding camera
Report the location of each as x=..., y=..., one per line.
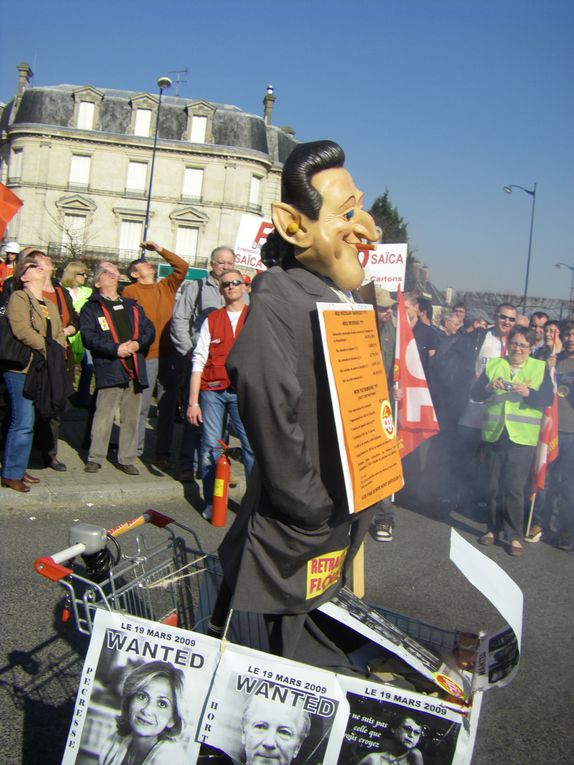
x=515, y=389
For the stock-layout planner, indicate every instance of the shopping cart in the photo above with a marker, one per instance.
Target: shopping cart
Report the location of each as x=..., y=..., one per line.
x=161, y=574
x=166, y=577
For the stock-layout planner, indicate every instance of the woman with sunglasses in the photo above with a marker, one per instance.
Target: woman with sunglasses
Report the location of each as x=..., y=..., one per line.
x=74, y=280
x=515, y=390
x=31, y=320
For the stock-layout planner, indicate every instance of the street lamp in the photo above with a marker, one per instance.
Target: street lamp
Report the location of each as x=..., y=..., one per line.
x=565, y=265
x=163, y=83
x=532, y=193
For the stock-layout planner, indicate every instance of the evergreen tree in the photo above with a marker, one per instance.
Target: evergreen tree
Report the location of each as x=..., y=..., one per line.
x=387, y=218
x=394, y=230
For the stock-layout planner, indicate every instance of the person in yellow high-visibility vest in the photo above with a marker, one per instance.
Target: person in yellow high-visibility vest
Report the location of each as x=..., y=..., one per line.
x=516, y=389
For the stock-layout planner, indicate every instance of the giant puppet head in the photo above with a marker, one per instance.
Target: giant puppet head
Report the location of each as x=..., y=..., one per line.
x=320, y=218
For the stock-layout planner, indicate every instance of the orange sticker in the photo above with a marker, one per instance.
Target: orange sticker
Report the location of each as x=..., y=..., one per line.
x=449, y=685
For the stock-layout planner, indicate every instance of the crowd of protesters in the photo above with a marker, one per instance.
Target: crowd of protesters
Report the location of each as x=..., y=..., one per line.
x=490, y=378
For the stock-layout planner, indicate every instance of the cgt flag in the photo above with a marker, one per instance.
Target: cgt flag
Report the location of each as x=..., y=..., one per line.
x=9, y=206
x=416, y=420
x=547, y=447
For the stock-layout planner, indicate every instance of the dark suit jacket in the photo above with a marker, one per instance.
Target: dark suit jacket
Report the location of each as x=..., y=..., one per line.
x=295, y=507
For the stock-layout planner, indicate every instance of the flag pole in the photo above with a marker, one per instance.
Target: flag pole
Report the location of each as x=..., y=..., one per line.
x=532, y=501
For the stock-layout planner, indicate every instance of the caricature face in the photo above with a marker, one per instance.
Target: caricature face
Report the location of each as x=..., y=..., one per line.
x=330, y=245
x=151, y=708
x=272, y=733
x=408, y=733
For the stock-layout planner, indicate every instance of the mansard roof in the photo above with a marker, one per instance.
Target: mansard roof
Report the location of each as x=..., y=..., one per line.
x=55, y=106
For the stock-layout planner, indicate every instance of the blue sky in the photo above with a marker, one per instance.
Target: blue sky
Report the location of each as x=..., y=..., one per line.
x=443, y=102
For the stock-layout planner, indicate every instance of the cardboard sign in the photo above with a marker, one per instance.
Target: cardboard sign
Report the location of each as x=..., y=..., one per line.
x=385, y=265
x=251, y=236
x=361, y=403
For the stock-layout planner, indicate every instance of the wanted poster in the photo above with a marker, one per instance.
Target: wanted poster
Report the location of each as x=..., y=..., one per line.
x=361, y=405
x=263, y=708
x=141, y=693
x=387, y=724
x=350, y=610
x=497, y=660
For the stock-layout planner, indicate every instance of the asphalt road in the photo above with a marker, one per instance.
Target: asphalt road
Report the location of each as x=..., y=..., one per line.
x=527, y=722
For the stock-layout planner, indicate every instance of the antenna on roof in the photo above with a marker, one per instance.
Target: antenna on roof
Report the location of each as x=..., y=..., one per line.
x=178, y=78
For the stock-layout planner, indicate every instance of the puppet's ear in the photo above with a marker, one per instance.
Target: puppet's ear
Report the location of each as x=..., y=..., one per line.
x=291, y=225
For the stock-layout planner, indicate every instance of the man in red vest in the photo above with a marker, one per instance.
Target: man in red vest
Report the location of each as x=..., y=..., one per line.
x=211, y=396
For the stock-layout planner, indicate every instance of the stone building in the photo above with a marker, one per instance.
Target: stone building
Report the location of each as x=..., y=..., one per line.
x=80, y=158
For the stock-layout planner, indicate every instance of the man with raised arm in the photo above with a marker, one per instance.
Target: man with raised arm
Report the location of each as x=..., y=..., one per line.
x=157, y=298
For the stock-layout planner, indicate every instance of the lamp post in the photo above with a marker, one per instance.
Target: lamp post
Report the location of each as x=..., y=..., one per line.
x=532, y=193
x=163, y=83
x=565, y=265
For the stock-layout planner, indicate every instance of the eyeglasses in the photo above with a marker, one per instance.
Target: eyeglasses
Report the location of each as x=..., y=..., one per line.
x=520, y=346
x=232, y=283
x=504, y=317
x=82, y=273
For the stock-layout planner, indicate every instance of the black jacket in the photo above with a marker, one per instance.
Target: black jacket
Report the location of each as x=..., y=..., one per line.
x=109, y=370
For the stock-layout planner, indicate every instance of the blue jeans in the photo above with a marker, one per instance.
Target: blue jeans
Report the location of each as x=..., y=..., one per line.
x=214, y=406
x=18, y=444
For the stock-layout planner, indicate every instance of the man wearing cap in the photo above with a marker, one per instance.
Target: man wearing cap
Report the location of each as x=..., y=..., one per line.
x=476, y=318
x=7, y=265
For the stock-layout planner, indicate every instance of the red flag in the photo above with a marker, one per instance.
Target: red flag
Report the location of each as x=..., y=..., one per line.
x=547, y=447
x=9, y=206
x=416, y=420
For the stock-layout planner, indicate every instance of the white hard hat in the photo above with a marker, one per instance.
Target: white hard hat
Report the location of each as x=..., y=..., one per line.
x=12, y=247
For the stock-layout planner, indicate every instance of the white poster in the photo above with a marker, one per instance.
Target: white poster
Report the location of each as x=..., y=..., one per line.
x=385, y=265
x=264, y=709
x=142, y=692
x=251, y=236
x=388, y=724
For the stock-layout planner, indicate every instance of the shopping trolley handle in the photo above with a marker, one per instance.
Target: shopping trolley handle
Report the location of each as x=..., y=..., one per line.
x=50, y=566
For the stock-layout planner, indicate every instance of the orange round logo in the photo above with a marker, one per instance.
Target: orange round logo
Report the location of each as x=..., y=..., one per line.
x=387, y=421
x=449, y=685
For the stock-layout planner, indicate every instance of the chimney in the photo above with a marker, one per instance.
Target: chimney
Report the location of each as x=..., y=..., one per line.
x=268, y=102
x=424, y=275
x=24, y=76
x=416, y=271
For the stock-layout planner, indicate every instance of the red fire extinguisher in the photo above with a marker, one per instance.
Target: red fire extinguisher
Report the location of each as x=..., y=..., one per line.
x=221, y=487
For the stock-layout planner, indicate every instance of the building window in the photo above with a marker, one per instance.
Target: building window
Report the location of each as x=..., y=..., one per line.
x=198, y=129
x=254, y=191
x=15, y=170
x=137, y=176
x=73, y=233
x=143, y=122
x=130, y=239
x=186, y=242
x=79, y=170
x=86, y=111
x=192, y=182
